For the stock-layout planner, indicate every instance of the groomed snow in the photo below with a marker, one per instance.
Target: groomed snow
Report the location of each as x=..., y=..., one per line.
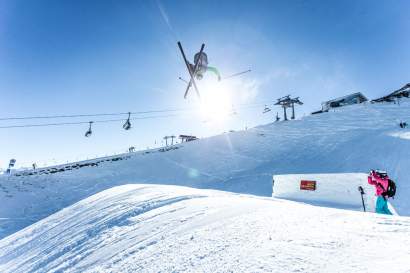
x=351, y=139
x=152, y=228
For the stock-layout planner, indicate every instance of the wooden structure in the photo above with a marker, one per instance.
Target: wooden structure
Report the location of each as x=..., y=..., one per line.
x=187, y=138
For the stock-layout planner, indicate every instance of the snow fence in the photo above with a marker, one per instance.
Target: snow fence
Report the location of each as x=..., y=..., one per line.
x=338, y=190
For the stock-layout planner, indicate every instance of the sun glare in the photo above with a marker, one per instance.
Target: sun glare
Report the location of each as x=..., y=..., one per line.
x=216, y=103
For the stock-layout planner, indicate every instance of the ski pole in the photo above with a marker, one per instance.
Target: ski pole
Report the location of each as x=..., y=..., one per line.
x=361, y=194
x=236, y=74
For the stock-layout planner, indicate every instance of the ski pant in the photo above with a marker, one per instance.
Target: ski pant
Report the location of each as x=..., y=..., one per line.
x=381, y=206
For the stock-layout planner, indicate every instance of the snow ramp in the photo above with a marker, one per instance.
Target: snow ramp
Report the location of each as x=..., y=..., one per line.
x=338, y=190
x=157, y=228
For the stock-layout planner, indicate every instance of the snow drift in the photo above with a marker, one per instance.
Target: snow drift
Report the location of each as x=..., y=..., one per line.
x=148, y=228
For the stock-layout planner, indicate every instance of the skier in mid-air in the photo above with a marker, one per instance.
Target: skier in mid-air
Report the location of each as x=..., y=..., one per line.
x=203, y=67
x=199, y=68
x=381, y=181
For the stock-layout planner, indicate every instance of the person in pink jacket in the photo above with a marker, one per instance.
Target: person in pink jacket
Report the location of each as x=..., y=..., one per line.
x=381, y=182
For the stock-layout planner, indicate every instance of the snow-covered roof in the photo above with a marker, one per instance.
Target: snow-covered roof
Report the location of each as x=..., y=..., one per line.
x=402, y=92
x=347, y=97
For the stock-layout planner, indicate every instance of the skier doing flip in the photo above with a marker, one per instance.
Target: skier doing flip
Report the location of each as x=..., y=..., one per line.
x=199, y=68
x=202, y=66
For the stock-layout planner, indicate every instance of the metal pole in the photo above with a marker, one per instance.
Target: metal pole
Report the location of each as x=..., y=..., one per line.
x=284, y=113
x=361, y=190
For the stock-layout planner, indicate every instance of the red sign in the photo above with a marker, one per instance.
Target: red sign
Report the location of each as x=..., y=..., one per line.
x=308, y=185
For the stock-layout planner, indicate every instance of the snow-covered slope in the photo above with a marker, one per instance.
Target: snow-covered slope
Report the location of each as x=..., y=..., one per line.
x=148, y=228
x=352, y=139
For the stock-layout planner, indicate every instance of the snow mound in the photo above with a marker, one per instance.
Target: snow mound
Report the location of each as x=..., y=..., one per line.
x=152, y=228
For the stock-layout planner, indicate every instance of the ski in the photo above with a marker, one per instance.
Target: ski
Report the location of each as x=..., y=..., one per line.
x=191, y=73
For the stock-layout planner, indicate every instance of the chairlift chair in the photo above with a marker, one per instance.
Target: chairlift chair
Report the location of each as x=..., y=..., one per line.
x=89, y=132
x=12, y=162
x=266, y=109
x=127, y=124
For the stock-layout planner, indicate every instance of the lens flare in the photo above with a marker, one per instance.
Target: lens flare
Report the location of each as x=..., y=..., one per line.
x=216, y=103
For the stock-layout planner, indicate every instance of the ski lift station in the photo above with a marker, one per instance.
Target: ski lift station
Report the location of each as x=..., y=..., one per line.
x=341, y=190
x=354, y=98
x=403, y=92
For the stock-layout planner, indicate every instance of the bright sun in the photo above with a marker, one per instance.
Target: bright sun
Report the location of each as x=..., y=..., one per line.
x=216, y=103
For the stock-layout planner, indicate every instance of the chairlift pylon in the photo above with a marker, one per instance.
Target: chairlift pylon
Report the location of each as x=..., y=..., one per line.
x=89, y=132
x=127, y=124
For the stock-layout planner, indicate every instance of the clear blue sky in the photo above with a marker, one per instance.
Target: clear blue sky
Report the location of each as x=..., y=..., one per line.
x=79, y=57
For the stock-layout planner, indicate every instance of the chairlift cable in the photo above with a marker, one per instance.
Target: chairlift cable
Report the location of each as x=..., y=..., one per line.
x=119, y=113
x=81, y=122
x=239, y=106
x=93, y=115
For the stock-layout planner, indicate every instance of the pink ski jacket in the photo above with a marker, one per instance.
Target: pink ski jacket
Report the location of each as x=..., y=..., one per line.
x=380, y=183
